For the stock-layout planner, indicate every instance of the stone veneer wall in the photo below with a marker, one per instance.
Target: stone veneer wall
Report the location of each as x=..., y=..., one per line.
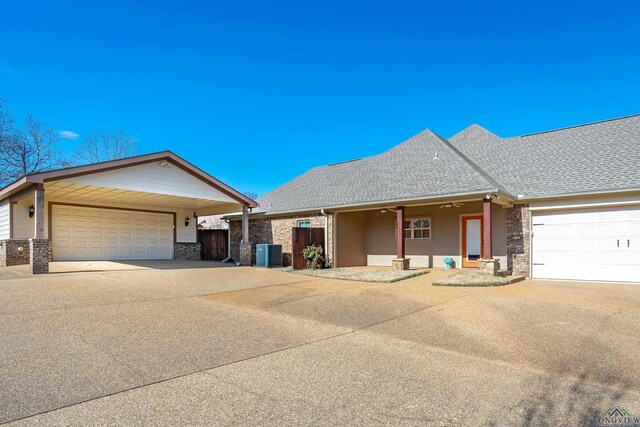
x=10, y=253
x=187, y=251
x=277, y=230
x=518, y=239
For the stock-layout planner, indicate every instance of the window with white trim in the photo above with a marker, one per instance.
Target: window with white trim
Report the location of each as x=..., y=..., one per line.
x=304, y=223
x=417, y=228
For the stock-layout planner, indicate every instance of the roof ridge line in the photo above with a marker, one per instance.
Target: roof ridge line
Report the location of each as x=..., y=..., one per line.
x=473, y=165
x=577, y=126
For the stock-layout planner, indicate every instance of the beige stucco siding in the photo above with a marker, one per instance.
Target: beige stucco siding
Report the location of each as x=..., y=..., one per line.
x=374, y=233
x=350, y=239
x=5, y=225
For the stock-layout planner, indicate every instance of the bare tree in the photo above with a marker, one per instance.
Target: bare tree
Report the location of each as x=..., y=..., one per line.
x=28, y=150
x=250, y=194
x=102, y=145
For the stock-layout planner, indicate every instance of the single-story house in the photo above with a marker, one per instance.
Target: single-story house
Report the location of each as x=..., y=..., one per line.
x=559, y=204
x=143, y=207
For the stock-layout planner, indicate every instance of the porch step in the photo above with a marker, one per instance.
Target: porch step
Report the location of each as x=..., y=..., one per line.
x=514, y=279
x=502, y=273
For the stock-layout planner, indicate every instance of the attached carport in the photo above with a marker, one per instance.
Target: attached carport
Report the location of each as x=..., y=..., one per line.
x=138, y=208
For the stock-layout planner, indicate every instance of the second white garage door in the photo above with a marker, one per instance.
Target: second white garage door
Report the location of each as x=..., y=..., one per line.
x=83, y=233
x=591, y=244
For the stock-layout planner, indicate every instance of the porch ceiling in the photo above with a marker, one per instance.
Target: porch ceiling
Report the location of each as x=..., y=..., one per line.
x=89, y=194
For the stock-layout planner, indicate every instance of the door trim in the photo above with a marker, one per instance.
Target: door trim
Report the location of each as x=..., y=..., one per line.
x=463, y=239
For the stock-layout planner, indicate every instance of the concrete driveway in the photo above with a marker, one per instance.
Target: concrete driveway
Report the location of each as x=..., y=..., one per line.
x=199, y=345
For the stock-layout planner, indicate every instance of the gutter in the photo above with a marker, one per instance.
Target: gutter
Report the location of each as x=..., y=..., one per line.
x=326, y=235
x=374, y=204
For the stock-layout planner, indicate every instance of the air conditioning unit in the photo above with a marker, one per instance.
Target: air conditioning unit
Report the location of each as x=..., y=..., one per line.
x=268, y=255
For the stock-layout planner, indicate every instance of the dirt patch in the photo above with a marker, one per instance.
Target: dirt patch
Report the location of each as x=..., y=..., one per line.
x=471, y=279
x=360, y=275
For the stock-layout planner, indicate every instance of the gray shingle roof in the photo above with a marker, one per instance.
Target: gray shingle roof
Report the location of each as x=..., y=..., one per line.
x=596, y=157
x=423, y=166
x=602, y=156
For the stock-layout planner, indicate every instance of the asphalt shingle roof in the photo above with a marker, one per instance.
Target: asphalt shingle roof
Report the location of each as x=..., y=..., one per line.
x=602, y=156
x=596, y=157
x=423, y=166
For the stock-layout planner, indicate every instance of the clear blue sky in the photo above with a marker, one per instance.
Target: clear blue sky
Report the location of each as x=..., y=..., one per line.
x=258, y=92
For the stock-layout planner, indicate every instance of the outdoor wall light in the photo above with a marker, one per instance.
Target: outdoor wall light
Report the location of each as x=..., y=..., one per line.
x=187, y=220
x=32, y=210
x=383, y=211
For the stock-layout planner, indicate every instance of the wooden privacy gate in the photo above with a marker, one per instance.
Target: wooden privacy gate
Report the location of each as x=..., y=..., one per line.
x=303, y=237
x=213, y=244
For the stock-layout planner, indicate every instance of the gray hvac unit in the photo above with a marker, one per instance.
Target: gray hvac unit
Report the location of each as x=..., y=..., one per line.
x=268, y=255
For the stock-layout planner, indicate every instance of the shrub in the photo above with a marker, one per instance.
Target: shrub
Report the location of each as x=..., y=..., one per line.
x=314, y=256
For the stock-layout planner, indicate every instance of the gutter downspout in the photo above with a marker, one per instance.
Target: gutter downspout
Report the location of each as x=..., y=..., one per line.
x=326, y=234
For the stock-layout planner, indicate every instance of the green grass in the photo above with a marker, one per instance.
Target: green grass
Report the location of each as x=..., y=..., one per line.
x=471, y=279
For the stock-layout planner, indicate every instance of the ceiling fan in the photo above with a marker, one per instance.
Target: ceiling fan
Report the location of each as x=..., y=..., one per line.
x=452, y=205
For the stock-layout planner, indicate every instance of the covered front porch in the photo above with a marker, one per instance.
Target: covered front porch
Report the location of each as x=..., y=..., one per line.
x=457, y=231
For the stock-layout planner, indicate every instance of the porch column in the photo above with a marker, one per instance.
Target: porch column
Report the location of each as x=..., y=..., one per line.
x=486, y=226
x=400, y=236
x=487, y=263
x=245, y=244
x=400, y=262
x=39, y=246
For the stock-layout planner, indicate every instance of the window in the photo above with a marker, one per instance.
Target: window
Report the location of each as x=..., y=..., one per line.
x=417, y=228
x=304, y=223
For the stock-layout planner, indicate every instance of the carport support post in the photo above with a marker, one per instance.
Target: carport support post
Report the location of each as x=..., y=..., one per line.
x=39, y=245
x=245, y=244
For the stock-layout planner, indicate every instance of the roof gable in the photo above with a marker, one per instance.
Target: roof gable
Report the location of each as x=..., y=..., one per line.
x=421, y=167
x=159, y=177
x=596, y=157
x=96, y=168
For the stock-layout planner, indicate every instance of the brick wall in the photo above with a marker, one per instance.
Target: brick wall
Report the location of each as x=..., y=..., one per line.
x=187, y=251
x=276, y=230
x=14, y=252
x=40, y=254
x=518, y=239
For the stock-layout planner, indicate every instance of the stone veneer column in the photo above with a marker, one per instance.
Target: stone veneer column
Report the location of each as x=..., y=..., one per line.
x=39, y=255
x=518, y=239
x=245, y=253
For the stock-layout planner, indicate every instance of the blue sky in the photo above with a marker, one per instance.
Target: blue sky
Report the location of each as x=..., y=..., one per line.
x=258, y=92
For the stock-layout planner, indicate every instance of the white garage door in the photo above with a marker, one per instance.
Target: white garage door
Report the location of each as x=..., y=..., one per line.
x=595, y=244
x=80, y=233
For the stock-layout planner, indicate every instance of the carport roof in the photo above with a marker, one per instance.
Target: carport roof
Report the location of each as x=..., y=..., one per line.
x=30, y=180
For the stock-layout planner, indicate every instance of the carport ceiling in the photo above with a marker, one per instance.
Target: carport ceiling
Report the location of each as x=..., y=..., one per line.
x=79, y=193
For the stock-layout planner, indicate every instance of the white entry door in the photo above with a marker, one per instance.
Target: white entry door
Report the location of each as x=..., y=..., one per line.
x=84, y=233
x=591, y=244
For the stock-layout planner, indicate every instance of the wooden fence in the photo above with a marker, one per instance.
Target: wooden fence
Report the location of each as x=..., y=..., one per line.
x=303, y=237
x=213, y=244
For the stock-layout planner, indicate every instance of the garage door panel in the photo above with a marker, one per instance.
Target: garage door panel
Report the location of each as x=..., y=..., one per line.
x=587, y=244
x=85, y=233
